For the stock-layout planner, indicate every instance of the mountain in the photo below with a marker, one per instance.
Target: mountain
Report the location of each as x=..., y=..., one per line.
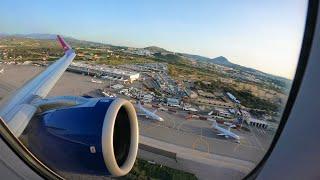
x=41, y=36
x=218, y=60
x=195, y=57
x=36, y=36
x=221, y=61
x=3, y=34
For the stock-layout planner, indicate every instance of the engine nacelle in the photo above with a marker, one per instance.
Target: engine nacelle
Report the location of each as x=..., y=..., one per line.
x=99, y=137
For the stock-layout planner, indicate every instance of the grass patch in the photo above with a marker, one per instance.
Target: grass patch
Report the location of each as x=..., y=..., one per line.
x=144, y=170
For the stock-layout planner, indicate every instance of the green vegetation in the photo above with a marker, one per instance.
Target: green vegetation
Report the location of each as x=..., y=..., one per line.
x=123, y=60
x=246, y=98
x=171, y=58
x=145, y=171
x=22, y=49
x=251, y=101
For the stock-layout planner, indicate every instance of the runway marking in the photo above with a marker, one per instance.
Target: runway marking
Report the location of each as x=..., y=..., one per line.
x=246, y=141
x=179, y=129
x=250, y=145
x=236, y=147
x=256, y=139
x=179, y=126
x=263, y=132
x=201, y=139
x=227, y=140
x=258, y=130
x=168, y=125
x=154, y=125
x=192, y=131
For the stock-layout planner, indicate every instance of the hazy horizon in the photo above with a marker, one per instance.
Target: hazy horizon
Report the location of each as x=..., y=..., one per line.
x=262, y=35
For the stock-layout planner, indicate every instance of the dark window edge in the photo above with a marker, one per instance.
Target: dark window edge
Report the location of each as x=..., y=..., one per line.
x=24, y=154
x=310, y=25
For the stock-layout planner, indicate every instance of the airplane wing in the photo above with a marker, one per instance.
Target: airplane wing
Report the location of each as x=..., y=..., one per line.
x=221, y=134
x=20, y=107
x=154, y=111
x=141, y=114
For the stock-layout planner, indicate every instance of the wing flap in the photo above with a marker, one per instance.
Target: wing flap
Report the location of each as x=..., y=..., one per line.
x=20, y=117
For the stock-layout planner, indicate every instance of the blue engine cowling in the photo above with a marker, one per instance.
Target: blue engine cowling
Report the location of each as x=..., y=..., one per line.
x=98, y=136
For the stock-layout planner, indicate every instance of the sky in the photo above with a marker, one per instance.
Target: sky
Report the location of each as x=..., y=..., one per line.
x=265, y=35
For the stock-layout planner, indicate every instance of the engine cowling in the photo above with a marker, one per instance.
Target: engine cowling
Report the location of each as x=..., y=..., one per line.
x=99, y=137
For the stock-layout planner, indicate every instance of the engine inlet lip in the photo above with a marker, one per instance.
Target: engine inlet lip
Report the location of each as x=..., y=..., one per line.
x=107, y=137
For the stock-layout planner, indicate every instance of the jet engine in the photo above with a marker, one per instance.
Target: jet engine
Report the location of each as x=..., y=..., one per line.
x=94, y=136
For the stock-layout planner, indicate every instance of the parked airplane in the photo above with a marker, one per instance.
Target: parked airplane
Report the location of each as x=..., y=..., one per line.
x=225, y=132
x=96, y=81
x=190, y=109
x=148, y=114
x=2, y=71
x=108, y=95
x=76, y=131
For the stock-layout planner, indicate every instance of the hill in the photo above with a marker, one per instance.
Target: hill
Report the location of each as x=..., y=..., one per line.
x=155, y=49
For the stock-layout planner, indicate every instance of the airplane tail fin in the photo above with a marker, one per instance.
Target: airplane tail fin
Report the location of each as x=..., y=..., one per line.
x=63, y=43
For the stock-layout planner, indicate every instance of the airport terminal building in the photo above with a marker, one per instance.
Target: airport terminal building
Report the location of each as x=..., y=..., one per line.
x=104, y=72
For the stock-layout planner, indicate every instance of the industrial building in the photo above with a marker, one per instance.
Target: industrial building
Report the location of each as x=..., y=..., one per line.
x=257, y=123
x=173, y=102
x=104, y=72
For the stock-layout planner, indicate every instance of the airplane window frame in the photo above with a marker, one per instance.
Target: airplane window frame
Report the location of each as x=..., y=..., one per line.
x=24, y=154
x=312, y=11
x=309, y=30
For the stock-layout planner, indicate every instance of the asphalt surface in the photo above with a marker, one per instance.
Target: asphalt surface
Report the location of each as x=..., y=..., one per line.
x=199, y=135
x=176, y=130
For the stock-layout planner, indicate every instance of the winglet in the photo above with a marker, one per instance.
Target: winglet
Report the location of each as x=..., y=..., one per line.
x=63, y=43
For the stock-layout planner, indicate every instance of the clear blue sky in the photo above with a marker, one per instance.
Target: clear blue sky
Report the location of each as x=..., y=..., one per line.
x=265, y=35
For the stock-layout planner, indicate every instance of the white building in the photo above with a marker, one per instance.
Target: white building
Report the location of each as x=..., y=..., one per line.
x=173, y=102
x=117, y=86
x=223, y=113
x=105, y=72
x=147, y=98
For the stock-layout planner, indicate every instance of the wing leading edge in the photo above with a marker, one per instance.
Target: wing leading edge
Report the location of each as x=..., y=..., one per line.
x=19, y=108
